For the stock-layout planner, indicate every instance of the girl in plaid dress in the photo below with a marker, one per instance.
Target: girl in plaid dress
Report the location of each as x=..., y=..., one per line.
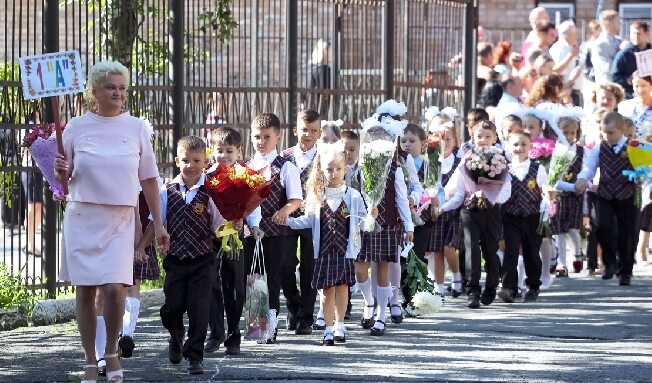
x=445, y=234
x=570, y=206
x=333, y=211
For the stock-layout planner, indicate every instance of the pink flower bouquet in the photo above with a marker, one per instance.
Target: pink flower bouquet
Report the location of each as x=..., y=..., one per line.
x=487, y=169
x=42, y=144
x=541, y=151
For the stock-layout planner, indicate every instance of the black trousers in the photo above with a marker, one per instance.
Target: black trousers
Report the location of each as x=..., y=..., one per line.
x=300, y=301
x=521, y=232
x=229, y=283
x=592, y=240
x=624, y=244
x=186, y=291
x=481, y=234
x=274, y=254
x=421, y=237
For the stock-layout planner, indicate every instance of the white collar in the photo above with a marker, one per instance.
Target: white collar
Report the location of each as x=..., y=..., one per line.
x=269, y=157
x=524, y=164
x=310, y=154
x=179, y=180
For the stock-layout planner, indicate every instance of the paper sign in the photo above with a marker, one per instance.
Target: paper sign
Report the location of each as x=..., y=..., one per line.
x=51, y=74
x=644, y=62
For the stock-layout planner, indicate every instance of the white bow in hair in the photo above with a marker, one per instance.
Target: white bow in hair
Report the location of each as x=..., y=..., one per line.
x=431, y=113
x=450, y=112
x=391, y=126
x=434, y=111
x=336, y=147
x=548, y=119
x=337, y=123
x=392, y=107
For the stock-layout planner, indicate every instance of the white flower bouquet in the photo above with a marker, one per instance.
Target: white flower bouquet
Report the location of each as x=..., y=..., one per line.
x=485, y=169
x=426, y=303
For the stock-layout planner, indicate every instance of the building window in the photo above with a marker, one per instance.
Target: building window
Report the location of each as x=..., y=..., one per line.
x=631, y=12
x=559, y=11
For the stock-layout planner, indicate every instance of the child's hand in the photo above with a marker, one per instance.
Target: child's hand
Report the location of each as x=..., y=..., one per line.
x=434, y=201
x=257, y=233
x=409, y=237
x=280, y=217
x=374, y=212
x=410, y=202
x=479, y=194
x=586, y=221
x=237, y=224
x=580, y=186
x=140, y=256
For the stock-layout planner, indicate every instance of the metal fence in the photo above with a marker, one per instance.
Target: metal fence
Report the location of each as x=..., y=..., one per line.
x=341, y=57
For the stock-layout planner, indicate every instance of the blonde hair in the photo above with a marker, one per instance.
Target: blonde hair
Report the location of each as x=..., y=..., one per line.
x=97, y=74
x=317, y=180
x=452, y=130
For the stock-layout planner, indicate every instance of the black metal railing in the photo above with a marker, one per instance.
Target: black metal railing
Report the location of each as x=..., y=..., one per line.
x=190, y=72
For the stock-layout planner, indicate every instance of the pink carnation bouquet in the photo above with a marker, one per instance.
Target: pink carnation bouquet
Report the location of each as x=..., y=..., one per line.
x=42, y=145
x=487, y=169
x=541, y=151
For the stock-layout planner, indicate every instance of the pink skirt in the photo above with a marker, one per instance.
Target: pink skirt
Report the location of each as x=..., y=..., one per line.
x=98, y=244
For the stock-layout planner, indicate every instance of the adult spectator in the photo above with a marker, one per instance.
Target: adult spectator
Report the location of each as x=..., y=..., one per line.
x=544, y=65
x=546, y=36
x=594, y=30
x=546, y=89
x=606, y=46
x=564, y=52
x=511, y=98
x=538, y=15
x=515, y=62
x=482, y=35
x=624, y=63
x=320, y=71
x=485, y=64
x=108, y=154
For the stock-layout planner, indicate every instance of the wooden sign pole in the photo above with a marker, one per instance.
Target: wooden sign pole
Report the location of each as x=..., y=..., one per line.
x=59, y=136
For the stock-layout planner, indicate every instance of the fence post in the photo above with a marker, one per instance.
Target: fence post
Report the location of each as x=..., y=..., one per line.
x=292, y=78
x=50, y=45
x=388, y=49
x=469, y=56
x=177, y=34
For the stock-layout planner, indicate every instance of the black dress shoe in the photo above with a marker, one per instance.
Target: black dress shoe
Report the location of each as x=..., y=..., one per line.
x=625, y=280
x=366, y=323
x=214, y=342
x=174, y=350
x=101, y=367
x=375, y=331
x=291, y=322
x=303, y=328
x=318, y=324
x=473, y=301
x=506, y=295
x=232, y=350
x=531, y=295
x=195, y=367
x=126, y=346
x=329, y=340
x=487, y=297
x=397, y=319
x=272, y=340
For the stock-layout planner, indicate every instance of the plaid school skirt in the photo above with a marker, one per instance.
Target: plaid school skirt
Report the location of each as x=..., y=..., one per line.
x=332, y=269
x=646, y=218
x=446, y=231
x=149, y=269
x=381, y=246
x=569, y=213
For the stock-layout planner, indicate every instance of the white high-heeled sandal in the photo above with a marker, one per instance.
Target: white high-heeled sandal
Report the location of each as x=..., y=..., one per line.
x=113, y=376
x=90, y=380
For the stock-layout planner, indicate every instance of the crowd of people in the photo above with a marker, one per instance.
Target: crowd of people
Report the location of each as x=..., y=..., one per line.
x=313, y=219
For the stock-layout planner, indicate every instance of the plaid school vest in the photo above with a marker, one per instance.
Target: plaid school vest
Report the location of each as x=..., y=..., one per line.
x=576, y=166
x=276, y=200
x=426, y=214
x=334, y=229
x=288, y=155
x=613, y=184
x=526, y=194
x=189, y=225
x=387, y=209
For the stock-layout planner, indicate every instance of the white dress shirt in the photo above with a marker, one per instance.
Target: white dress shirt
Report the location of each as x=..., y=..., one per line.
x=558, y=52
x=459, y=187
x=520, y=170
x=590, y=166
x=188, y=196
x=447, y=163
x=416, y=189
x=303, y=159
x=401, y=200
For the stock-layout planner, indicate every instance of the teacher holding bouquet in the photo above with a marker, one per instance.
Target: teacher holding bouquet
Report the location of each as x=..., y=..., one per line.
x=108, y=155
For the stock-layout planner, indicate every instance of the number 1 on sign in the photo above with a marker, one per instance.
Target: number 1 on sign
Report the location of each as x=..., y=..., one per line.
x=39, y=72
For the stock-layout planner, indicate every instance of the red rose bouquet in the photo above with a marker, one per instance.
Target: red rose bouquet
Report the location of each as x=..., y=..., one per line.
x=42, y=145
x=237, y=191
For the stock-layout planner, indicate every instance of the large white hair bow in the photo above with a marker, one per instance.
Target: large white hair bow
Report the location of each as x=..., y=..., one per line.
x=337, y=123
x=392, y=108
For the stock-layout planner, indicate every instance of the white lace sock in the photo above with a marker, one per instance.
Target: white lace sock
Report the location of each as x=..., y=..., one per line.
x=560, y=241
x=395, y=280
x=100, y=337
x=365, y=289
x=521, y=273
x=383, y=294
x=575, y=237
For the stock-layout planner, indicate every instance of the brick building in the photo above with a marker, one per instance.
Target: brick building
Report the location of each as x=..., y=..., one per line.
x=508, y=19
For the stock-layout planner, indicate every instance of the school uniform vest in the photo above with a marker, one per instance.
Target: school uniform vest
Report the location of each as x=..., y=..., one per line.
x=334, y=229
x=189, y=225
x=613, y=184
x=356, y=179
x=288, y=155
x=575, y=168
x=276, y=200
x=445, y=177
x=387, y=209
x=526, y=194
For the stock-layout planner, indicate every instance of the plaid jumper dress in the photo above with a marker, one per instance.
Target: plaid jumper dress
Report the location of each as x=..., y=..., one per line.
x=382, y=246
x=148, y=269
x=447, y=228
x=332, y=268
x=189, y=225
x=569, y=205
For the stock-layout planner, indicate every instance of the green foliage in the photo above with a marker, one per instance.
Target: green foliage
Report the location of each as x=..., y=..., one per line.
x=10, y=112
x=219, y=20
x=158, y=283
x=416, y=274
x=13, y=292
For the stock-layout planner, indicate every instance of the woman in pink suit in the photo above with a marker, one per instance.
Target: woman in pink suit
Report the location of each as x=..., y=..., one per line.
x=108, y=154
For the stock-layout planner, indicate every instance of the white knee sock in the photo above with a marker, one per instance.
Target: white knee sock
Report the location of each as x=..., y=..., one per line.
x=395, y=280
x=365, y=289
x=383, y=293
x=457, y=281
x=431, y=266
x=100, y=337
x=374, y=278
x=132, y=305
x=577, y=241
x=560, y=242
x=521, y=273
x=320, y=314
x=441, y=289
x=545, y=252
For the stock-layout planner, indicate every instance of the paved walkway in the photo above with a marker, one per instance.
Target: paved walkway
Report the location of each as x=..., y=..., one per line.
x=581, y=330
